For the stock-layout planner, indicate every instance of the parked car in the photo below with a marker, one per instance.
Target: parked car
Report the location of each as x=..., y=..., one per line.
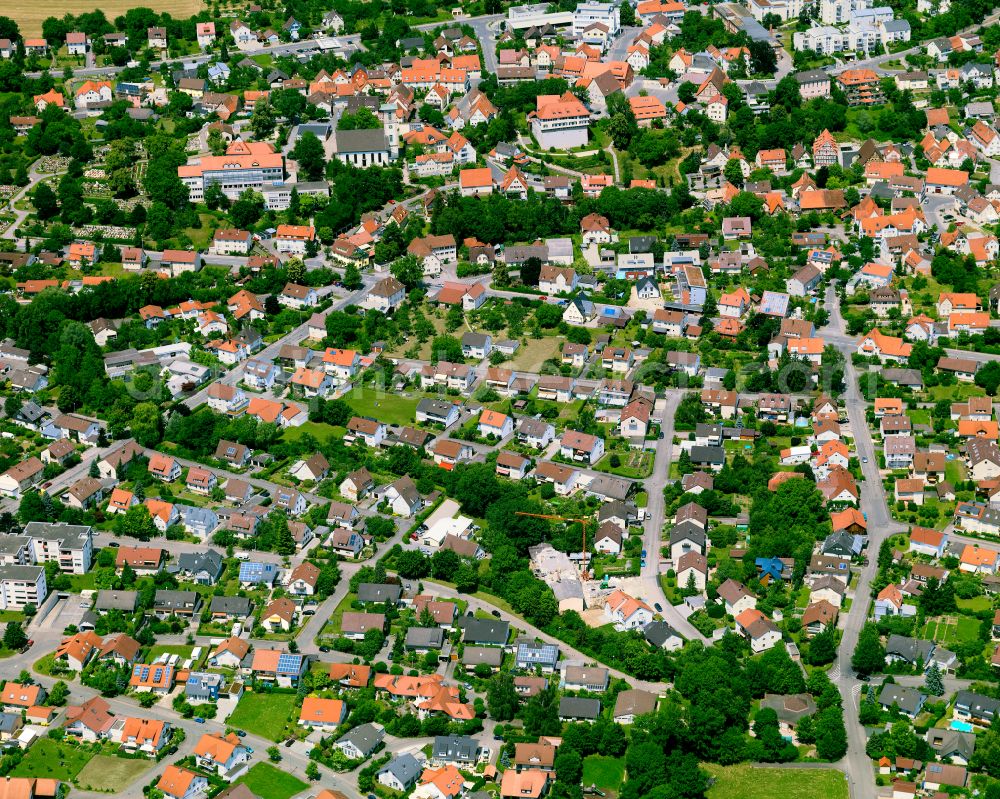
x=199, y=720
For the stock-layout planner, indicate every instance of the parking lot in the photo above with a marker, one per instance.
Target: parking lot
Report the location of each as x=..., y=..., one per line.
x=65, y=613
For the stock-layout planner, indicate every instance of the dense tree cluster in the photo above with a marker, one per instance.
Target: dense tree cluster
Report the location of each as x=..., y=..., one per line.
x=498, y=219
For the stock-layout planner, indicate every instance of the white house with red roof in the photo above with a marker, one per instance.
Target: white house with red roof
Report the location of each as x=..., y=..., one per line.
x=626, y=612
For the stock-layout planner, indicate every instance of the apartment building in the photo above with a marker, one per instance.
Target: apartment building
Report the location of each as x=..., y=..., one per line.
x=21, y=586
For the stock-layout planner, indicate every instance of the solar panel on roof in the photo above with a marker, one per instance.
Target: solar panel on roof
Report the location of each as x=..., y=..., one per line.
x=289, y=663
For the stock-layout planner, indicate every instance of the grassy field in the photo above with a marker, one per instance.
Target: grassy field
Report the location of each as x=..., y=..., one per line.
x=387, y=408
x=108, y=773
x=748, y=782
x=30, y=17
x=48, y=758
x=321, y=432
x=530, y=357
x=269, y=782
x=332, y=626
x=975, y=604
x=955, y=393
x=954, y=471
x=263, y=714
x=606, y=773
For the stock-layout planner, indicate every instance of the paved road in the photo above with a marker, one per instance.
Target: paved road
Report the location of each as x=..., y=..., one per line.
x=484, y=28
x=349, y=42
x=568, y=653
x=59, y=484
x=656, y=516
x=34, y=178
x=292, y=761
x=880, y=527
x=175, y=548
x=875, y=62
x=233, y=376
x=848, y=345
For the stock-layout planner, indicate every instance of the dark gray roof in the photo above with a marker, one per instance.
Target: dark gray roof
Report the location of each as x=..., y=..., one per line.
x=474, y=655
x=458, y=748
x=365, y=738
x=9, y=722
x=687, y=531
x=379, y=592
x=484, y=631
x=231, y=605
x=606, y=485
x=176, y=600
x=424, y=638
x=907, y=699
x=618, y=509
x=905, y=377
x=69, y=536
x=708, y=454
x=659, y=632
x=984, y=707
x=361, y=141
x=910, y=649
x=811, y=76
x=209, y=561
x=405, y=768
x=117, y=600
x=579, y=707
x=951, y=742
x=842, y=543
x=435, y=407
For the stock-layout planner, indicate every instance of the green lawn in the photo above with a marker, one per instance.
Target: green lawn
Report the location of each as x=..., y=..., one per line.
x=955, y=393
x=113, y=774
x=48, y=758
x=954, y=471
x=975, y=604
x=332, y=626
x=386, y=408
x=321, y=432
x=264, y=714
x=270, y=782
x=81, y=582
x=606, y=773
x=530, y=357
x=747, y=782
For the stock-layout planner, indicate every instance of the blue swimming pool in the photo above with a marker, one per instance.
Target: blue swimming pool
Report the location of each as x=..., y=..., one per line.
x=961, y=726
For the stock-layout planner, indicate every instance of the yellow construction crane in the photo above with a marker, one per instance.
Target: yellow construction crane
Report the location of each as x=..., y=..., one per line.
x=583, y=523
